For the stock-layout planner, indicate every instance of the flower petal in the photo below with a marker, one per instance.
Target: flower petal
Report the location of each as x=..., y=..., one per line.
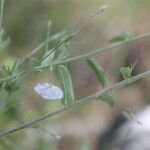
x=48, y=92
x=40, y=87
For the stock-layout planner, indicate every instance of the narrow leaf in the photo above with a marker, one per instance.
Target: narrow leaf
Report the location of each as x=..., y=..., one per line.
x=124, y=36
x=96, y=67
x=126, y=72
x=15, y=66
x=108, y=98
x=68, y=38
x=60, y=54
x=48, y=57
x=133, y=65
x=58, y=35
x=66, y=85
x=65, y=40
x=64, y=43
x=102, y=9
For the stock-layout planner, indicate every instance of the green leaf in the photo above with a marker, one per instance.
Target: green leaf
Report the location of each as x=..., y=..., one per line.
x=133, y=65
x=108, y=98
x=67, y=39
x=9, y=63
x=14, y=84
x=67, y=87
x=102, y=9
x=15, y=66
x=60, y=54
x=48, y=57
x=126, y=72
x=96, y=67
x=64, y=43
x=124, y=36
x=58, y=35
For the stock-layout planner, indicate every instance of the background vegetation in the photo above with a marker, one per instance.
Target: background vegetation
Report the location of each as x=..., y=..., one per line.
x=25, y=23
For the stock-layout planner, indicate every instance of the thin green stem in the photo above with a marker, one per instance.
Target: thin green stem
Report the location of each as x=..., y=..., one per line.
x=40, y=46
x=76, y=104
x=57, y=137
x=98, y=51
x=47, y=48
x=50, y=39
x=48, y=35
x=1, y=13
x=18, y=74
x=92, y=53
x=102, y=50
x=13, y=76
x=96, y=13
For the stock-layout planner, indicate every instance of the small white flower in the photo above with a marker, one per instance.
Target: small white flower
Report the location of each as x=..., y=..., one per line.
x=48, y=91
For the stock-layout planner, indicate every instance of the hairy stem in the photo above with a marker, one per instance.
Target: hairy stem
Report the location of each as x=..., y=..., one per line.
x=76, y=104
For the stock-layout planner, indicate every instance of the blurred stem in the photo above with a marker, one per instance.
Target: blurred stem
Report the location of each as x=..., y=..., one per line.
x=99, y=51
x=57, y=137
x=49, y=39
x=102, y=50
x=47, y=48
x=40, y=46
x=48, y=35
x=18, y=74
x=96, y=13
x=76, y=104
x=1, y=13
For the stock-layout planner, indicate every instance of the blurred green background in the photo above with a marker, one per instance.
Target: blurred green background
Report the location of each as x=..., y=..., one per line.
x=25, y=23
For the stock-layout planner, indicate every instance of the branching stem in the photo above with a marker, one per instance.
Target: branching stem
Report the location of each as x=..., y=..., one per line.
x=75, y=104
x=70, y=59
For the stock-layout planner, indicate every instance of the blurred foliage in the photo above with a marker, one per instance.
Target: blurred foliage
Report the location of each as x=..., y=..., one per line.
x=25, y=24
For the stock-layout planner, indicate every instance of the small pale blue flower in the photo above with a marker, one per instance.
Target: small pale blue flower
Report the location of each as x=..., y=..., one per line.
x=48, y=91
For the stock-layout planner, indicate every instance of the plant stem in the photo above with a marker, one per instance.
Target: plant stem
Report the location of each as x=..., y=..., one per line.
x=40, y=46
x=98, y=51
x=1, y=13
x=50, y=39
x=18, y=74
x=48, y=35
x=102, y=50
x=76, y=104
